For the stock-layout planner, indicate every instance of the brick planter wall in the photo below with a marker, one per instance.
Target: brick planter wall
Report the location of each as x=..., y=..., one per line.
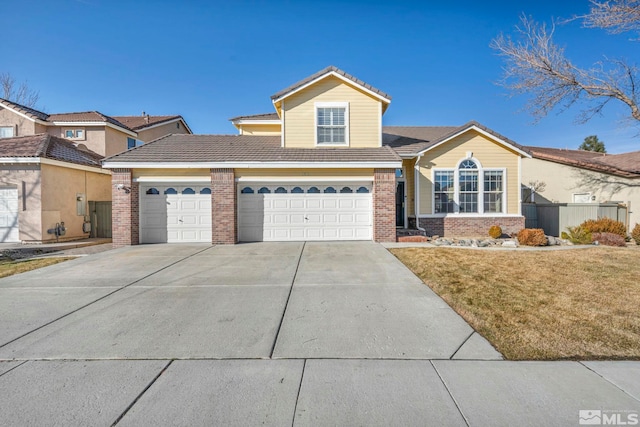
x=452, y=226
x=384, y=205
x=224, y=205
x=124, y=209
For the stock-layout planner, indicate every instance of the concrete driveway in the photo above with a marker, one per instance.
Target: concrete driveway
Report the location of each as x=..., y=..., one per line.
x=270, y=333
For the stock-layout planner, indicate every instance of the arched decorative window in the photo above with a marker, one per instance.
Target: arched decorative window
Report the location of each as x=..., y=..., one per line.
x=247, y=190
x=280, y=190
x=346, y=190
x=329, y=190
x=468, y=186
x=297, y=190
x=170, y=190
x=205, y=190
x=264, y=190
x=152, y=191
x=188, y=190
x=313, y=190
x=362, y=190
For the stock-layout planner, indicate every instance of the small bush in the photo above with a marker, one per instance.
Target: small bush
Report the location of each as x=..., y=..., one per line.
x=609, y=239
x=532, y=237
x=635, y=233
x=605, y=225
x=495, y=231
x=578, y=235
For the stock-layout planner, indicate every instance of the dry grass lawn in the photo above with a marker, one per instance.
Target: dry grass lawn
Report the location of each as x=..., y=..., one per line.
x=9, y=267
x=541, y=305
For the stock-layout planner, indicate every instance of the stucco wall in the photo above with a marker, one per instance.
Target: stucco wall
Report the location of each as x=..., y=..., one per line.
x=563, y=181
x=94, y=136
x=21, y=125
x=29, y=217
x=59, y=188
x=162, y=130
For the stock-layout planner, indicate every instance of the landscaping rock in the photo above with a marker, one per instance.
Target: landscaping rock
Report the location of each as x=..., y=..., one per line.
x=510, y=244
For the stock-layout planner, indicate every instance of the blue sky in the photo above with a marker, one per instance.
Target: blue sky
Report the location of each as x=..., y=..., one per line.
x=212, y=60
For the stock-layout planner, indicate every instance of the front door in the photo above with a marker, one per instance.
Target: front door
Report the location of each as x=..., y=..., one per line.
x=400, y=204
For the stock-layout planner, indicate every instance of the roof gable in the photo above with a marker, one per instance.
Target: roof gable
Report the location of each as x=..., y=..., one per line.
x=24, y=111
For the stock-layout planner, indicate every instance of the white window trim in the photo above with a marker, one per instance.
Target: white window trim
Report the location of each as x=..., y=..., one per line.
x=344, y=105
x=13, y=130
x=75, y=133
x=456, y=191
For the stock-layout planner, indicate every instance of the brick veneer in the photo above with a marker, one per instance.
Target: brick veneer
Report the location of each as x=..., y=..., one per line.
x=384, y=205
x=460, y=226
x=124, y=208
x=224, y=205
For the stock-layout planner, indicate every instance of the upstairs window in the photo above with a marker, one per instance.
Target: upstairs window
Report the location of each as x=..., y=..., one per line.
x=74, y=133
x=131, y=142
x=7, y=131
x=332, y=121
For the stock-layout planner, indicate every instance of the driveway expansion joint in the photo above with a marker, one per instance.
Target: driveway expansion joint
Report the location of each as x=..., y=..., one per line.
x=462, y=345
x=455, y=402
x=607, y=380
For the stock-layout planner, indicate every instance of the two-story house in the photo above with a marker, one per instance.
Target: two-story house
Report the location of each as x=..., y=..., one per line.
x=322, y=167
x=50, y=171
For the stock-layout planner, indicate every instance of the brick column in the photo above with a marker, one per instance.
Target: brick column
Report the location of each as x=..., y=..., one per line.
x=384, y=205
x=124, y=208
x=223, y=207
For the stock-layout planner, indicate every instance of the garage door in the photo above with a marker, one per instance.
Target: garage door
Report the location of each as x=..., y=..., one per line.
x=9, y=215
x=175, y=213
x=281, y=212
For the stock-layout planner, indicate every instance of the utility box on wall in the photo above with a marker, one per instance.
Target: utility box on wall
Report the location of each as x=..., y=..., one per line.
x=81, y=204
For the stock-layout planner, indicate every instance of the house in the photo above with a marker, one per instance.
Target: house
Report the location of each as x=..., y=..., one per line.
x=102, y=134
x=46, y=183
x=321, y=167
x=578, y=176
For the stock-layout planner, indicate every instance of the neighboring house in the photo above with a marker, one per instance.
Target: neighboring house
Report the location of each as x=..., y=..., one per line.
x=46, y=181
x=322, y=167
x=577, y=176
x=105, y=135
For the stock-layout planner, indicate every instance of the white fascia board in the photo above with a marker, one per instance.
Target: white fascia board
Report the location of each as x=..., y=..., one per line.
x=252, y=165
x=52, y=162
x=339, y=76
x=163, y=179
x=257, y=122
x=90, y=124
x=483, y=132
x=305, y=179
x=21, y=114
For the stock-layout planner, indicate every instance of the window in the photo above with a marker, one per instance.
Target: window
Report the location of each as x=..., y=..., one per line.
x=152, y=191
x=313, y=190
x=247, y=190
x=362, y=190
x=329, y=190
x=188, y=191
x=131, y=143
x=170, y=191
x=264, y=190
x=332, y=120
x=444, y=192
x=297, y=190
x=280, y=190
x=468, y=182
x=74, y=133
x=7, y=131
x=346, y=190
x=205, y=190
x=493, y=191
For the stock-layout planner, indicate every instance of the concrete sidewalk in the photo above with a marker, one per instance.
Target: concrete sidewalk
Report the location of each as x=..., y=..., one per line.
x=273, y=334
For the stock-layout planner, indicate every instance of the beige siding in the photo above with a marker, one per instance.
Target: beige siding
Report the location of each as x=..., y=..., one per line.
x=365, y=174
x=563, y=181
x=270, y=130
x=489, y=153
x=29, y=207
x=409, y=174
x=59, y=188
x=147, y=135
x=21, y=126
x=299, y=114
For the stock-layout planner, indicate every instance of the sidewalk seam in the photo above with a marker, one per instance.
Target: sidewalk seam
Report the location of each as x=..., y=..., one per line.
x=295, y=407
x=609, y=381
x=455, y=402
x=17, y=366
x=463, y=343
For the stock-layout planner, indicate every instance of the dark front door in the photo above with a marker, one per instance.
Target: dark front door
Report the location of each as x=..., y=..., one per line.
x=400, y=204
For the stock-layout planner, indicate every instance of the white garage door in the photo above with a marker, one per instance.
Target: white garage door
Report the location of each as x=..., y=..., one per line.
x=175, y=213
x=281, y=212
x=9, y=215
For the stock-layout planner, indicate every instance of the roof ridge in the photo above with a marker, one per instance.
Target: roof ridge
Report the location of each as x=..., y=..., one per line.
x=44, y=146
x=29, y=110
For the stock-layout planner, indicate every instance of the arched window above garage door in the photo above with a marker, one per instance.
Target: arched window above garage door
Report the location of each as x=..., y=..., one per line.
x=346, y=190
x=170, y=190
x=188, y=190
x=264, y=190
x=247, y=190
x=362, y=190
x=297, y=190
x=280, y=190
x=313, y=190
x=152, y=191
x=329, y=190
x=205, y=190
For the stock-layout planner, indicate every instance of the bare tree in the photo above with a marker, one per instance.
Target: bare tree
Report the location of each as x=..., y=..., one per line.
x=533, y=188
x=538, y=67
x=20, y=93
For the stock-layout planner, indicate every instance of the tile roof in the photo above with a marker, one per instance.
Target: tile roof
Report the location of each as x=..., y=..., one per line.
x=327, y=70
x=47, y=146
x=625, y=165
x=244, y=148
x=86, y=116
x=265, y=116
x=30, y=112
x=141, y=122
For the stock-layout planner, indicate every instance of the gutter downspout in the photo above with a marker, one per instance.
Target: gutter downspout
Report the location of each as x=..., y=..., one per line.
x=416, y=189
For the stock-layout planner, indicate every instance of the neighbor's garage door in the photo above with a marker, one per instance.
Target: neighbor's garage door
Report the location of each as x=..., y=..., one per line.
x=175, y=213
x=280, y=212
x=9, y=215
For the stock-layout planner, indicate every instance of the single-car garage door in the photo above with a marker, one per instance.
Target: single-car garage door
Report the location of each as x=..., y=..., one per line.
x=9, y=215
x=175, y=213
x=281, y=212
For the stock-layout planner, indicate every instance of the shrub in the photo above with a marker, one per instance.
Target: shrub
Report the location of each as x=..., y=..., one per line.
x=532, y=237
x=635, y=233
x=605, y=225
x=609, y=239
x=495, y=231
x=578, y=235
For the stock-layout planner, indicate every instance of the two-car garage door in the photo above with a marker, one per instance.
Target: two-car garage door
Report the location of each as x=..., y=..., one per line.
x=286, y=212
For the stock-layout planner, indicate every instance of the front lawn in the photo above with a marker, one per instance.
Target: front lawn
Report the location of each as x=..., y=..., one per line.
x=10, y=267
x=541, y=305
